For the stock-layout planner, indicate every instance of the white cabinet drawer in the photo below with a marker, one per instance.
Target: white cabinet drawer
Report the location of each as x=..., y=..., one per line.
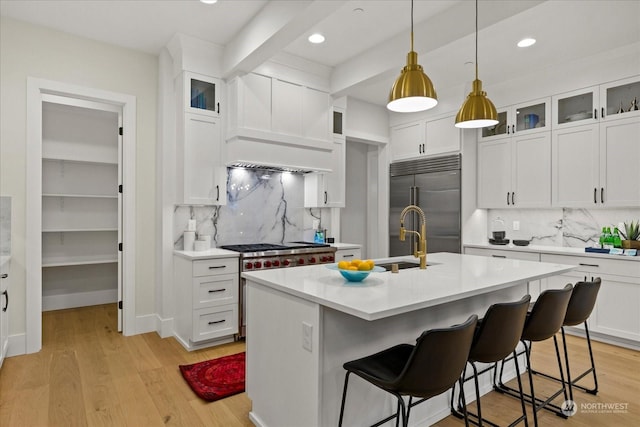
x=597, y=265
x=211, y=323
x=348, y=254
x=211, y=291
x=497, y=253
x=208, y=267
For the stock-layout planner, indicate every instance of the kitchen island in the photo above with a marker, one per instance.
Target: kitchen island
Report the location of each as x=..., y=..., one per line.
x=305, y=322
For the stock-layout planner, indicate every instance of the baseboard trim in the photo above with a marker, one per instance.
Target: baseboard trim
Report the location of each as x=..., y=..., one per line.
x=79, y=299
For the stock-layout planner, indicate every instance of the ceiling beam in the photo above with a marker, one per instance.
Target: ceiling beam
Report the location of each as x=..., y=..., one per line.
x=276, y=26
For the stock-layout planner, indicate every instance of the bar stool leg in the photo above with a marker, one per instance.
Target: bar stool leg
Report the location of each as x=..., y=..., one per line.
x=524, y=409
x=344, y=397
x=533, y=396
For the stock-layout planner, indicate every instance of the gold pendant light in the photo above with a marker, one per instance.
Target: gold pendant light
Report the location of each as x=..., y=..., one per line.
x=477, y=111
x=413, y=90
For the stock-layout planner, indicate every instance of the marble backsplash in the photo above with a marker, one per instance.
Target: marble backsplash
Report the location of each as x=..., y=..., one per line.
x=5, y=225
x=262, y=207
x=577, y=228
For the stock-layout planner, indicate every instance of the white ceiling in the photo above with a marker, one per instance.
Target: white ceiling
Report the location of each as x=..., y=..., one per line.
x=364, y=50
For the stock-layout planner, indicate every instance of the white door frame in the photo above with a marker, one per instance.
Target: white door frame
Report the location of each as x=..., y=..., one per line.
x=36, y=88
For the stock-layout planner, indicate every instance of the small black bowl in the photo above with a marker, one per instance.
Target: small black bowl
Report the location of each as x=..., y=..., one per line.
x=499, y=235
x=521, y=242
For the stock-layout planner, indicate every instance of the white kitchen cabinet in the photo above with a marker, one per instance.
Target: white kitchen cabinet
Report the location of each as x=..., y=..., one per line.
x=327, y=190
x=286, y=108
x=348, y=254
x=207, y=302
x=596, y=165
x=4, y=310
x=200, y=170
x=515, y=172
x=617, y=310
x=596, y=104
x=81, y=207
x=533, y=286
x=201, y=94
x=519, y=119
x=425, y=138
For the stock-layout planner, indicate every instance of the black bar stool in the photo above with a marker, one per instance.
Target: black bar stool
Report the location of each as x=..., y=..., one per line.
x=543, y=322
x=425, y=370
x=496, y=337
x=583, y=299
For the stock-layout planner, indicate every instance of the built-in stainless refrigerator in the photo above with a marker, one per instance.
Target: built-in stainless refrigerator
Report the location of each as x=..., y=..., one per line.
x=433, y=184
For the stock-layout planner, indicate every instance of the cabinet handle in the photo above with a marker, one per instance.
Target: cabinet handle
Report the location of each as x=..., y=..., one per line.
x=4, y=276
x=595, y=195
x=508, y=199
x=513, y=200
x=325, y=197
x=589, y=265
x=213, y=267
x=508, y=130
x=419, y=148
x=424, y=149
x=218, y=108
x=6, y=296
x=498, y=256
x=595, y=113
x=347, y=256
x=211, y=291
x=513, y=129
x=217, y=193
x=602, y=113
x=601, y=194
x=217, y=321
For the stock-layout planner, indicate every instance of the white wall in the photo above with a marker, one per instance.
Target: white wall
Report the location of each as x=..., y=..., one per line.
x=32, y=51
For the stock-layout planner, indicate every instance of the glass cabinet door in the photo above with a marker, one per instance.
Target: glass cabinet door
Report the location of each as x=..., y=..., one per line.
x=499, y=130
x=620, y=99
x=575, y=107
x=532, y=116
x=202, y=94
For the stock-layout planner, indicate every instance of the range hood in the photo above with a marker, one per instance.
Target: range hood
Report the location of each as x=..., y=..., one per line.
x=259, y=150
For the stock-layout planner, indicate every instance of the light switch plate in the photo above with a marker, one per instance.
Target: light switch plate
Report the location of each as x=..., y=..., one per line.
x=516, y=225
x=307, y=336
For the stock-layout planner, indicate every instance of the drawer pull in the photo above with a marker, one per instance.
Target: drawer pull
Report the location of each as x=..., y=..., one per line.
x=589, y=265
x=213, y=267
x=347, y=256
x=498, y=256
x=6, y=305
x=217, y=321
x=4, y=276
x=211, y=291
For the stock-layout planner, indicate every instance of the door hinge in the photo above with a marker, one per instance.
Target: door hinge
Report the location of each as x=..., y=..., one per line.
x=120, y=188
x=120, y=247
x=120, y=130
x=120, y=305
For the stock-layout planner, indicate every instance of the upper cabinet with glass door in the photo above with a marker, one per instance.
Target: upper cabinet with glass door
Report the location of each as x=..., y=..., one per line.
x=590, y=105
x=202, y=94
x=528, y=117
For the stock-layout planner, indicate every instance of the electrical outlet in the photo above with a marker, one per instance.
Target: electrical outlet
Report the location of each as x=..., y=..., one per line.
x=516, y=225
x=307, y=336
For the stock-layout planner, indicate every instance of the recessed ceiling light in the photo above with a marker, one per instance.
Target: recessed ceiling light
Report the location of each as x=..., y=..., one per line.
x=526, y=42
x=316, y=38
x=209, y=1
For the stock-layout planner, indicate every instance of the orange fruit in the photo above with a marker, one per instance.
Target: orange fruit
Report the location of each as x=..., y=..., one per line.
x=364, y=266
x=343, y=265
x=352, y=268
x=356, y=262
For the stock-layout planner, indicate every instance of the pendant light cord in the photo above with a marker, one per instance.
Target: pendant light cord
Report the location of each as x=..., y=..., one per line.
x=411, y=25
x=476, y=39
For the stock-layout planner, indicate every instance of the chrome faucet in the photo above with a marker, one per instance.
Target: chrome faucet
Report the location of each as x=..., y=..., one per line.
x=422, y=235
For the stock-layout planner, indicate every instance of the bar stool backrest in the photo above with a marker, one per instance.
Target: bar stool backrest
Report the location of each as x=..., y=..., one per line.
x=547, y=315
x=437, y=360
x=583, y=299
x=499, y=331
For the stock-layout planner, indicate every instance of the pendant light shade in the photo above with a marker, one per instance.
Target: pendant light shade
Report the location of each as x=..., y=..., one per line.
x=413, y=90
x=477, y=111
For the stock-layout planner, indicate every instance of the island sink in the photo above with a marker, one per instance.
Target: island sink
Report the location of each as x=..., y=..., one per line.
x=401, y=265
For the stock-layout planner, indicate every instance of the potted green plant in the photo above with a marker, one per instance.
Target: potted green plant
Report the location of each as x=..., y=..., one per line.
x=631, y=235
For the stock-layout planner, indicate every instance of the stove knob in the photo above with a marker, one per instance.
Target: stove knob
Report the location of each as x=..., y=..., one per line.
x=301, y=261
x=323, y=259
x=331, y=259
x=286, y=262
x=267, y=264
x=276, y=263
x=258, y=264
x=312, y=260
x=248, y=265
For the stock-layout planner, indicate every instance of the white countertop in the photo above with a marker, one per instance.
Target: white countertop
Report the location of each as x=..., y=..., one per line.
x=556, y=250
x=451, y=277
x=342, y=245
x=208, y=254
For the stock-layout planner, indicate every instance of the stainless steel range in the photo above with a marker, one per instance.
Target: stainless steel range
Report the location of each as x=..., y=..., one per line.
x=266, y=256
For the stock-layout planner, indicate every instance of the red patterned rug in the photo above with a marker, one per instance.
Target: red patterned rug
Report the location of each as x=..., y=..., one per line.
x=217, y=378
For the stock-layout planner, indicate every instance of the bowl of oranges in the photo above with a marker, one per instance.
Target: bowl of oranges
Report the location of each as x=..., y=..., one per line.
x=355, y=270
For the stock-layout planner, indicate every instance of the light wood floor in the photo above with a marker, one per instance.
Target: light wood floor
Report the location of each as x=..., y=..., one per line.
x=88, y=374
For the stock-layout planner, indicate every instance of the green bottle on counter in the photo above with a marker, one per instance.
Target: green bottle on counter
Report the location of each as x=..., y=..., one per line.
x=617, y=241
x=602, y=237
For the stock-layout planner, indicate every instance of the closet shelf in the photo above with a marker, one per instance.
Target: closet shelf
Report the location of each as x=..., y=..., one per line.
x=79, y=160
x=74, y=230
x=79, y=196
x=79, y=260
